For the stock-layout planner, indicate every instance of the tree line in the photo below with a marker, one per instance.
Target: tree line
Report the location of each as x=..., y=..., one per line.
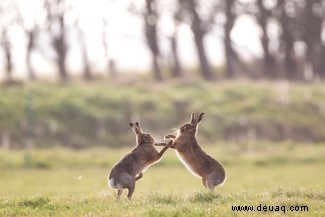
x=292, y=37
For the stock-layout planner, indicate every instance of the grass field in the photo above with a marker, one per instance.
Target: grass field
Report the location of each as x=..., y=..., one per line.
x=62, y=182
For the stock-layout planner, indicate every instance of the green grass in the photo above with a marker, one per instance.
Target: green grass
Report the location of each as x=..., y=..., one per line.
x=70, y=188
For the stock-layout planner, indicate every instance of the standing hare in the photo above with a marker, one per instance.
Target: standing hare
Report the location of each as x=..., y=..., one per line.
x=193, y=157
x=129, y=169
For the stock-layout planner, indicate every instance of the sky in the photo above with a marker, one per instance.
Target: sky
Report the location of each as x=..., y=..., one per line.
x=125, y=40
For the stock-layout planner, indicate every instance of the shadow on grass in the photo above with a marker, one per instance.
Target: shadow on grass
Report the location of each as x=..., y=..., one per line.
x=197, y=197
x=178, y=212
x=164, y=199
x=34, y=202
x=282, y=192
x=204, y=197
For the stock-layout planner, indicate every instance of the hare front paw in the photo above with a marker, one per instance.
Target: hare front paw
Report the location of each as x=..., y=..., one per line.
x=170, y=144
x=169, y=136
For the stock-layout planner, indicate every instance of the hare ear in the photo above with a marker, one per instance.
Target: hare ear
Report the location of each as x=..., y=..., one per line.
x=192, y=118
x=199, y=118
x=135, y=128
x=138, y=125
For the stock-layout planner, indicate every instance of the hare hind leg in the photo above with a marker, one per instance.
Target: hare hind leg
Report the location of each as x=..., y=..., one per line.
x=119, y=192
x=131, y=190
x=210, y=184
x=204, y=182
x=124, y=180
x=128, y=182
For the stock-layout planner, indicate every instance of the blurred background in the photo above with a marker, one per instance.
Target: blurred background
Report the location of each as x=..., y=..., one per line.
x=74, y=73
x=212, y=39
x=239, y=61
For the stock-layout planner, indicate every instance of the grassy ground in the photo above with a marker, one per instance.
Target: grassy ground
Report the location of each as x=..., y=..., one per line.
x=70, y=183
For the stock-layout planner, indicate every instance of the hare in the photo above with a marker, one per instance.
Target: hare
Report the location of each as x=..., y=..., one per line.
x=130, y=168
x=193, y=157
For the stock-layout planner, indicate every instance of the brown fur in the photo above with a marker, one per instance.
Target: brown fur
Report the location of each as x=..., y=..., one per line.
x=130, y=168
x=194, y=158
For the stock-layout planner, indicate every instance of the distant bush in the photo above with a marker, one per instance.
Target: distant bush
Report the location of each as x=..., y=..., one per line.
x=97, y=114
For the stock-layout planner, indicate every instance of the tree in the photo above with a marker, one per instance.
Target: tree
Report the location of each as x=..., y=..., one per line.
x=263, y=17
x=87, y=75
x=31, y=35
x=56, y=11
x=177, y=70
x=110, y=62
x=287, y=38
x=189, y=11
x=150, y=17
x=314, y=19
x=5, y=42
x=176, y=65
x=231, y=55
x=31, y=32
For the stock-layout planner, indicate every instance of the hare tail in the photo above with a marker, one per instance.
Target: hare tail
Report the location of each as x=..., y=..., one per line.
x=112, y=183
x=223, y=182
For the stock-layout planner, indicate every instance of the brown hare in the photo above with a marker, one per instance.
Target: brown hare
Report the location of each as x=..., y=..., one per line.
x=193, y=157
x=129, y=169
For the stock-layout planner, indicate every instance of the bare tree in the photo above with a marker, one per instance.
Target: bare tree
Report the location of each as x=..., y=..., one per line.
x=150, y=15
x=6, y=45
x=87, y=75
x=110, y=62
x=263, y=17
x=31, y=32
x=287, y=39
x=177, y=70
x=314, y=21
x=231, y=55
x=150, y=19
x=56, y=11
x=189, y=11
x=6, y=21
